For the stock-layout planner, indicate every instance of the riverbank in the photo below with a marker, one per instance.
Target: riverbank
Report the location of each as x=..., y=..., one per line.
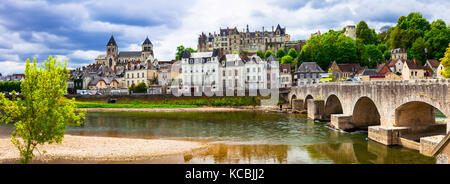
x=193, y=109
x=79, y=148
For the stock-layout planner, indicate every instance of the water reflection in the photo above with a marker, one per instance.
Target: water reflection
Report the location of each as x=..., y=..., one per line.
x=246, y=137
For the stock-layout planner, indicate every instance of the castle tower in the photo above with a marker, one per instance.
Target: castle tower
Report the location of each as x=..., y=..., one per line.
x=147, y=49
x=111, y=53
x=350, y=31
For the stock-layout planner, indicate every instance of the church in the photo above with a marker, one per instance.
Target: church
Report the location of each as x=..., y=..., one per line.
x=114, y=58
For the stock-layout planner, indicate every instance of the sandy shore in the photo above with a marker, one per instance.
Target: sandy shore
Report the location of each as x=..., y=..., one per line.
x=102, y=149
x=195, y=109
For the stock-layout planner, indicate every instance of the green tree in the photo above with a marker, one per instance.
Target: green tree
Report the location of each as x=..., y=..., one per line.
x=268, y=54
x=293, y=53
x=43, y=114
x=260, y=54
x=387, y=55
x=407, y=30
x=139, y=88
x=437, y=39
x=181, y=49
x=418, y=51
x=179, y=52
x=280, y=54
x=331, y=46
x=372, y=56
x=367, y=35
x=287, y=60
x=445, y=61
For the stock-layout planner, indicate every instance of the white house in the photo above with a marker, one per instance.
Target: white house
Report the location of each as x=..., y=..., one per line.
x=200, y=71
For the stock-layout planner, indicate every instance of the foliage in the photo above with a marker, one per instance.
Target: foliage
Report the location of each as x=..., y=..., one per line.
x=181, y=49
x=293, y=53
x=387, y=55
x=260, y=54
x=280, y=54
x=373, y=56
x=445, y=61
x=328, y=47
x=368, y=36
x=268, y=54
x=408, y=29
x=9, y=86
x=43, y=114
x=418, y=51
x=139, y=88
x=437, y=39
x=287, y=60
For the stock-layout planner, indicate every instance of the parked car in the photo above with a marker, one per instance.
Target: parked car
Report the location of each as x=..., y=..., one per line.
x=353, y=80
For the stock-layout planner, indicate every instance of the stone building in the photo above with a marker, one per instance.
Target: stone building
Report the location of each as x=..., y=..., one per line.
x=285, y=76
x=308, y=73
x=412, y=70
x=431, y=68
x=231, y=40
x=344, y=71
x=399, y=53
x=350, y=31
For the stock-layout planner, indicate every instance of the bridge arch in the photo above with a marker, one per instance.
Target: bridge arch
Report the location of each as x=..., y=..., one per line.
x=333, y=106
x=305, y=103
x=365, y=113
x=417, y=111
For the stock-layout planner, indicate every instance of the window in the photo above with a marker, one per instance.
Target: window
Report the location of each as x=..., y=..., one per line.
x=128, y=75
x=259, y=69
x=137, y=75
x=248, y=70
x=142, y=74
x=132, y=75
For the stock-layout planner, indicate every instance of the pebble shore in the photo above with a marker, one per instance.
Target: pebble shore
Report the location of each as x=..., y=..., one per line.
x=102, y=149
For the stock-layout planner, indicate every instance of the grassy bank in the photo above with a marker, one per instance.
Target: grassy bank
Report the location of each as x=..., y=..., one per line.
x=134, y=105
x=182, y=102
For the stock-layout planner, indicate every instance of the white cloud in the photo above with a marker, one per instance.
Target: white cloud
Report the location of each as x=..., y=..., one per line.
x=10, y=67
x=85, y=54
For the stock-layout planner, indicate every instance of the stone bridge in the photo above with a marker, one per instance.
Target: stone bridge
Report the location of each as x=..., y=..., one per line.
x=394, y=112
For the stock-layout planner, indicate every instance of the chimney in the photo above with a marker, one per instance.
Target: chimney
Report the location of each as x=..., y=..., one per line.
x=272, y=29
x=129, y=65
x=115, y=68
x=263, y=29
x=414, y=61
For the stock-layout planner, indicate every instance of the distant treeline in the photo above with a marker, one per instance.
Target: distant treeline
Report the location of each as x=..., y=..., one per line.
x=9, y=86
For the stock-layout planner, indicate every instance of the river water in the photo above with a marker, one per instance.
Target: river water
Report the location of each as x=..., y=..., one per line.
x=248, y=137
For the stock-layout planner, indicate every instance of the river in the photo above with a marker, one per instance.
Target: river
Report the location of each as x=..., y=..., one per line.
x=248, y=137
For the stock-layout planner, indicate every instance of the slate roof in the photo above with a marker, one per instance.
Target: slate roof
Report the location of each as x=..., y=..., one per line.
x=130, y=54
x=369, y=72
x=310, y=67
x=413, y=66
x=147, y=42
x=349, y=67
x=434, y=63
x=111, y=42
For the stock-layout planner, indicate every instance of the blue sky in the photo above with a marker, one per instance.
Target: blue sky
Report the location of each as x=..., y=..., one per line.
x=79, y=30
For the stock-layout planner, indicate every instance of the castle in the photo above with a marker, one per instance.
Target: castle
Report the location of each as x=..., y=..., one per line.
x=231, y=40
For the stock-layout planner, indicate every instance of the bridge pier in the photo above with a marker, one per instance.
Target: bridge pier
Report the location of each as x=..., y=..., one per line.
x=342, y=122
x=297, y=105
x=316, y=109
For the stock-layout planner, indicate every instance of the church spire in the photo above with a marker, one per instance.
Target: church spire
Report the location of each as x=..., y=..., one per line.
x=147, y=42
x=111, y=42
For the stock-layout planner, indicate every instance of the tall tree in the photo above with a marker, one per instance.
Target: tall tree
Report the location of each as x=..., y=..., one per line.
x=437, y=39
x=418, y=51
x=287, y=60
x=412, y=27
x=293, y=53
x=367, y=35
x=372, y=56
x=260, y=54
x=445, y=61
x=43, y=114
x=179, y=53
x=331, y=46
x=280, y=54
x=268, y=54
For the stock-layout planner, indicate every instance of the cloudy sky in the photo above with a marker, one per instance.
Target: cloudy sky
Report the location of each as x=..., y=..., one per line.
x=79, y=30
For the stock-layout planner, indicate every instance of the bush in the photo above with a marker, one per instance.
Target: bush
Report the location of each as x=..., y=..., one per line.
x=9, y=86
